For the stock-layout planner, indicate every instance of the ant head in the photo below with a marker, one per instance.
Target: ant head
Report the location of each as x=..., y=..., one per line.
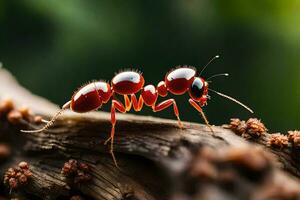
x=198, y=90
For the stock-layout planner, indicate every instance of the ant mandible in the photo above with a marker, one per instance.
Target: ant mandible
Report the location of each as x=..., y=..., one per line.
x=178, y=81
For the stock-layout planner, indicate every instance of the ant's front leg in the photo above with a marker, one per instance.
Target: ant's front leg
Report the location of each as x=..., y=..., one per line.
x=120, y=107
x=199, y=109
x=165, y=104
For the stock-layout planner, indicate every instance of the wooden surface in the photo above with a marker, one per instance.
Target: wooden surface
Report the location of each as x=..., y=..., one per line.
x=157, y=159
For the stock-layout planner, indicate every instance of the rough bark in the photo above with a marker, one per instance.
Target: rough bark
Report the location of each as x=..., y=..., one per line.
x=157, y=159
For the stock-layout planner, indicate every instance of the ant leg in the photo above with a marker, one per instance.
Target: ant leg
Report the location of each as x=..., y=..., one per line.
x=199, y=109
x=120, y=107
x=165, y=104
x=127, y=103
x=137, y=104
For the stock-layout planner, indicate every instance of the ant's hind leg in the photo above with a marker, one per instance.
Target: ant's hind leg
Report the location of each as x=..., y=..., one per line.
x=199, y=109
x=120, y=107
x=165, y=104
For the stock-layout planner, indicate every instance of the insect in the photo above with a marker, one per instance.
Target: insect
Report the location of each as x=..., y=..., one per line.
x=178, y=81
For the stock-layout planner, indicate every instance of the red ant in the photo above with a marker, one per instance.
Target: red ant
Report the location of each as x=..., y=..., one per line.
x=178, y=81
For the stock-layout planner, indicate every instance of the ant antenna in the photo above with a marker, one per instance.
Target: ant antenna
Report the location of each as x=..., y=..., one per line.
x=216, y=75
x=49, y=123
x=217, y=56
x=232, y=99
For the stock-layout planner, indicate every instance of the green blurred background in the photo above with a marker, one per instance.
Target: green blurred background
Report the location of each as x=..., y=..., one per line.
x=55, y=46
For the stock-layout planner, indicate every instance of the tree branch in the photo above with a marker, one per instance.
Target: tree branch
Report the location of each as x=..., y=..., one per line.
x=157, y=159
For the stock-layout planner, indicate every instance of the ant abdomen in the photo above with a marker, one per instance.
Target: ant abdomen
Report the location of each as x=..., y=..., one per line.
x=90, y=97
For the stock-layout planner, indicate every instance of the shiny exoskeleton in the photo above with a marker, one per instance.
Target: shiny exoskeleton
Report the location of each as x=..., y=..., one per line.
x=179, y=81
x=128, y=83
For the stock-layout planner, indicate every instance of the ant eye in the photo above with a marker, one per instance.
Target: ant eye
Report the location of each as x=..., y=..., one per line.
x=197, y=88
